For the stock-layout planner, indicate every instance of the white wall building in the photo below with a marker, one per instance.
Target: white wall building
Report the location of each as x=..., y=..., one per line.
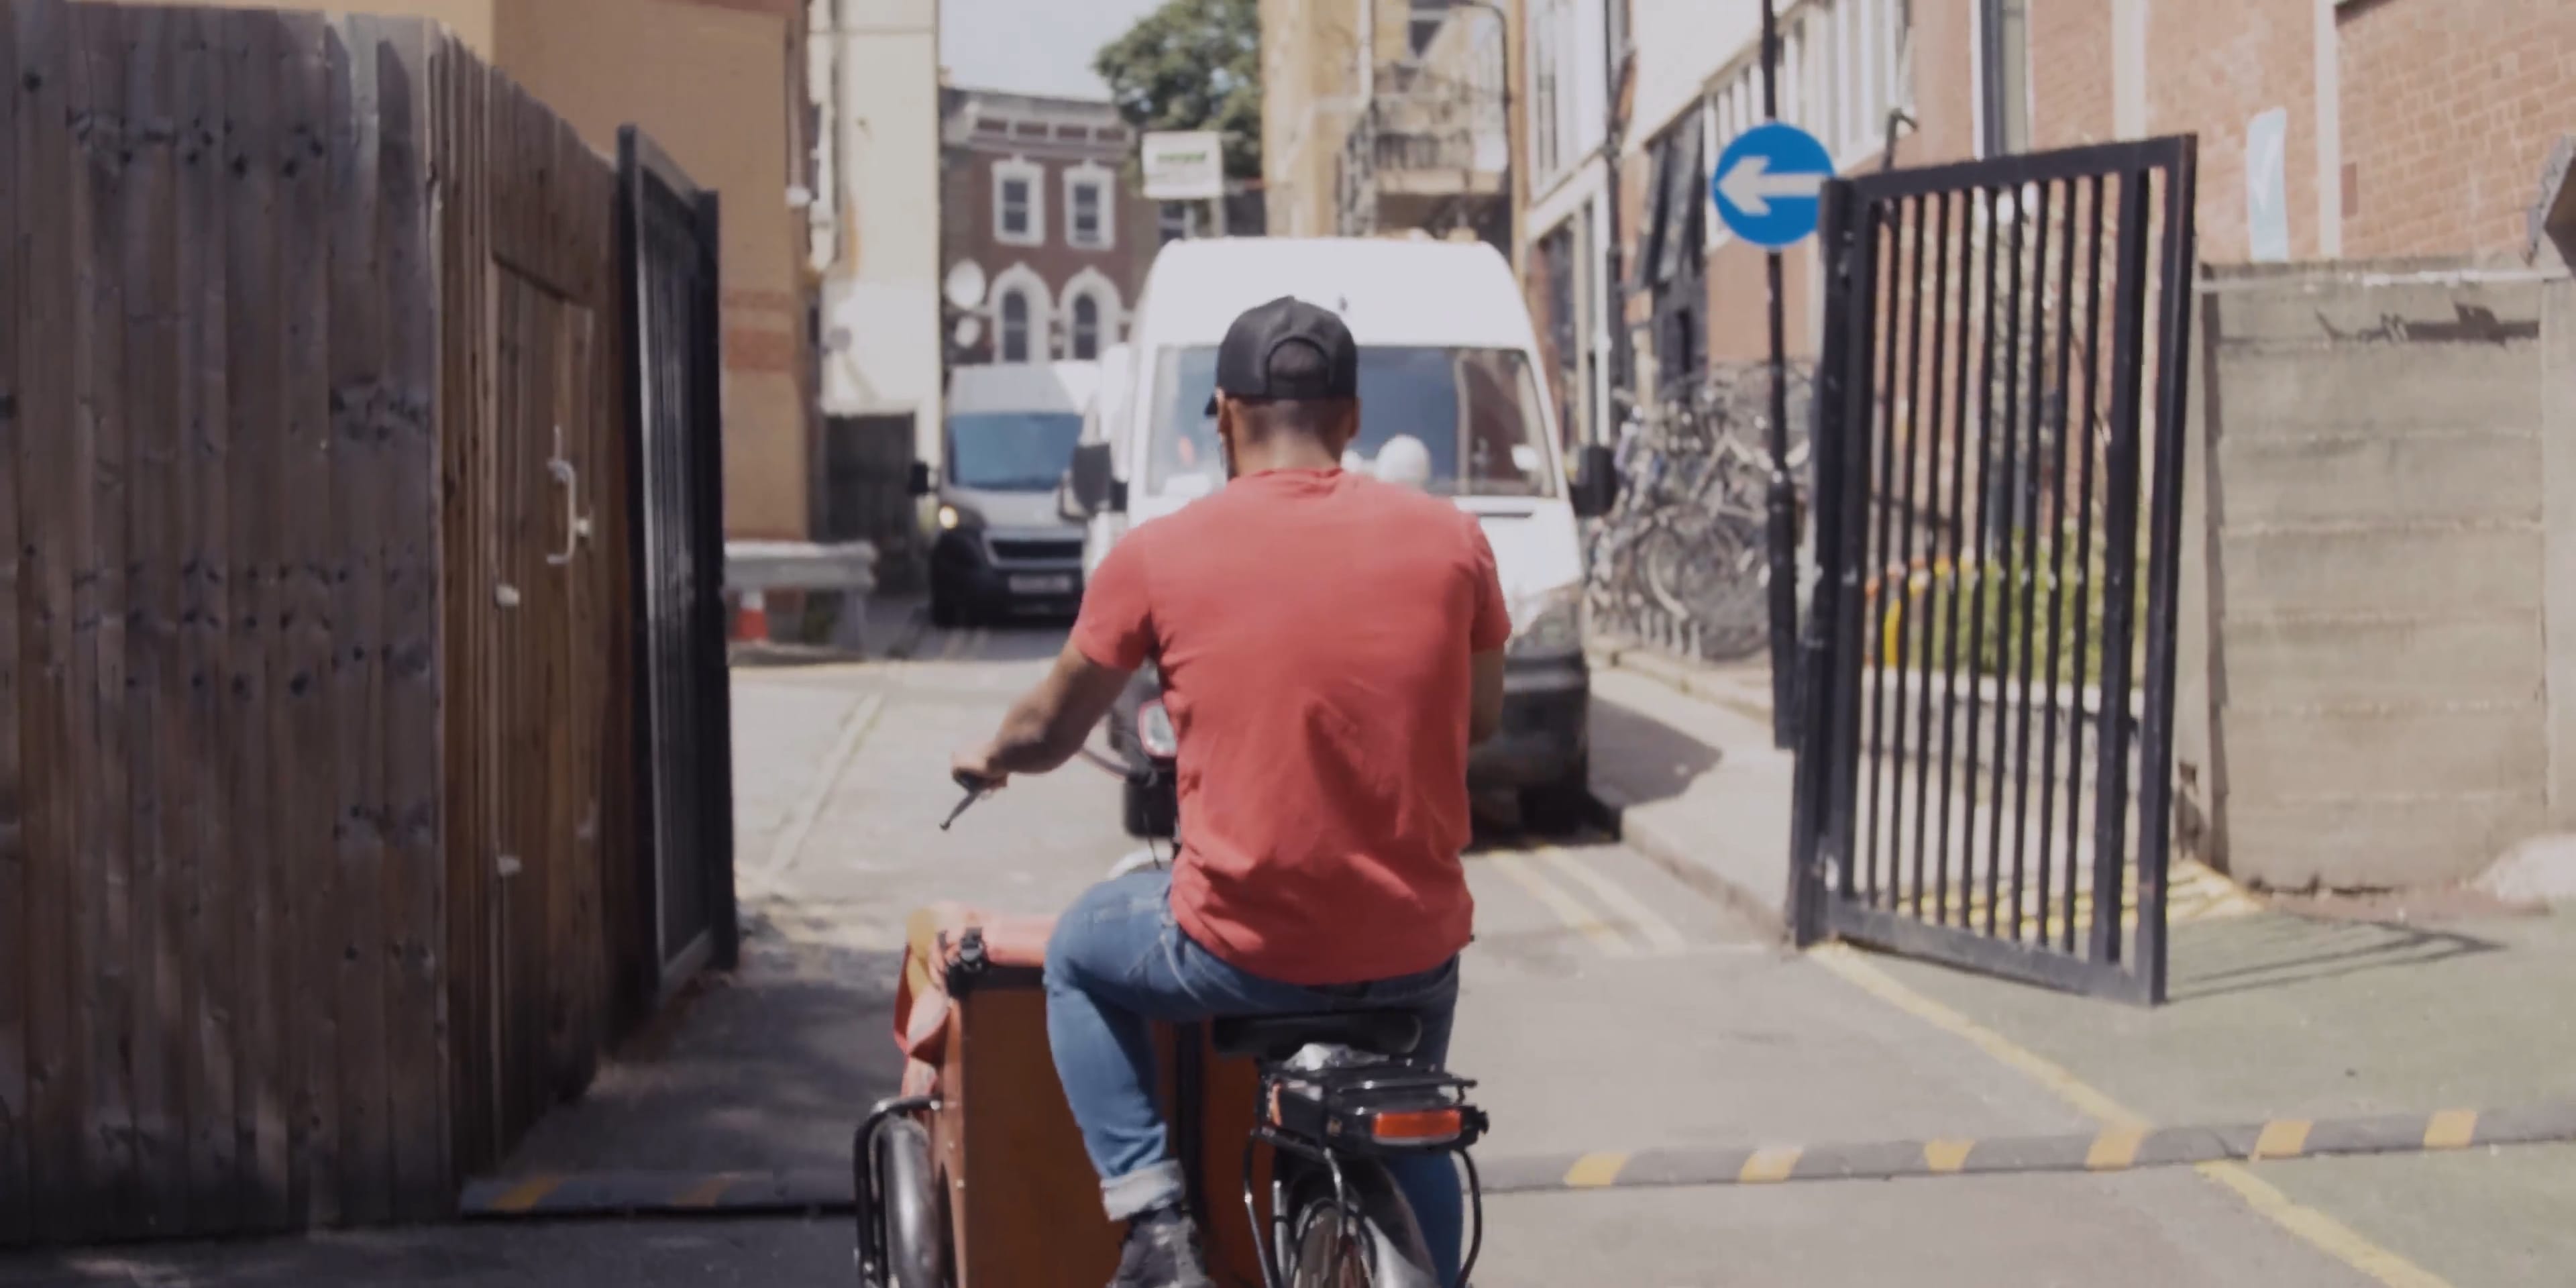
x=876, y=222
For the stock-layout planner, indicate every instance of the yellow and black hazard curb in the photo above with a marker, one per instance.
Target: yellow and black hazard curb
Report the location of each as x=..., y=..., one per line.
x=2111, y=1150
x=2117, y=1149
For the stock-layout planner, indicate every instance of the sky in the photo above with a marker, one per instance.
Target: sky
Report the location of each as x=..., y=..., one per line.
x=1032, y=46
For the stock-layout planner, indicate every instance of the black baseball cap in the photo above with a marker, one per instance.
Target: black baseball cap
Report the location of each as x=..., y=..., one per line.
x=1243, y=361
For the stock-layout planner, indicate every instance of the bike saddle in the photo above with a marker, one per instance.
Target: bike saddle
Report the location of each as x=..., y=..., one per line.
x=1277, y=1037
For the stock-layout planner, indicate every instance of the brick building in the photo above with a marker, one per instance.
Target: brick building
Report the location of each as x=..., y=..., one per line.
x=2329, y=129
x=1038, y=195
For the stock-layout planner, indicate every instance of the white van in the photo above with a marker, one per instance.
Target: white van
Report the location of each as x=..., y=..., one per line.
x=1002, y=545
x=1448, y=360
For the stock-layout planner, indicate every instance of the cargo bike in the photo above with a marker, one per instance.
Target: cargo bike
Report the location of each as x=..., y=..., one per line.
x=975, y=1176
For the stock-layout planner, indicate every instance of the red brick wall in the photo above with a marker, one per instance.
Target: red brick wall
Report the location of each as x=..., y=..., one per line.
x=967, y=232
x=1945, y=84
x=2070, y=72
x=2450, y=107
x=2212, y=65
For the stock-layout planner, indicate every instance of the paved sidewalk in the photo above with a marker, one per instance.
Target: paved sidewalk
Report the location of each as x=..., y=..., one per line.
x=1683, y=757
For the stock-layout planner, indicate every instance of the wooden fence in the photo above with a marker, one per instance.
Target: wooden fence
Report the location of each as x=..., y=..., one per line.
x=315, y=700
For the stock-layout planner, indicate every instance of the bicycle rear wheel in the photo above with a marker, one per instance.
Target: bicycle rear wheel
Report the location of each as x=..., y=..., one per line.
x=1374, y=1242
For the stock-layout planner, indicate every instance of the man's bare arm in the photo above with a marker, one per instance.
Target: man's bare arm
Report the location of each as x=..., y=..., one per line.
x=1485, y=700
x=1050, y=723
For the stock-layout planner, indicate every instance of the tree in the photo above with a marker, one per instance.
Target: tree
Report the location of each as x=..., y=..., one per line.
x=1193, y=65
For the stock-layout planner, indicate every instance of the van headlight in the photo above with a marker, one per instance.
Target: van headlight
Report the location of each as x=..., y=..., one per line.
x=1548, y=624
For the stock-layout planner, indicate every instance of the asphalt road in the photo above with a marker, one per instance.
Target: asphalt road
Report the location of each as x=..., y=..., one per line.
x=1608, y=1008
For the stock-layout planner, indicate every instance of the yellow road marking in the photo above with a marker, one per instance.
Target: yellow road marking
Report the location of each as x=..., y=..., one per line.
x=527, y=1194
x=2328, y=1235
x=2283, y=1138
x=1942, y=1157
x=2114, y=1149
x=1661, y=935
x=1592, y=1171
x=705, y=1193
x=2321, y=1232
x=1567, y=908
x=1770, y=1165
x=2451, y=1129
x=2065, y=1086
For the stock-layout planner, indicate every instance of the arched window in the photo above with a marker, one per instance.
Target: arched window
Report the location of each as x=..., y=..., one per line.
x=1015, y=327
x=1086, y=329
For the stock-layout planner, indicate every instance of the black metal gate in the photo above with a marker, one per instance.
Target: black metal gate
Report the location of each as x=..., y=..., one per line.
x=683, y=738
x=1986, y=742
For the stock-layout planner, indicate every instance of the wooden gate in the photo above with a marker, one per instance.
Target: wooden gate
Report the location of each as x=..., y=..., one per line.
x=313, y=712
x=535, y=594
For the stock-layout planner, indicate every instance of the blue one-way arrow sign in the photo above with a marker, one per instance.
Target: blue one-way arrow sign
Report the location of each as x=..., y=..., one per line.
x=1766, y=184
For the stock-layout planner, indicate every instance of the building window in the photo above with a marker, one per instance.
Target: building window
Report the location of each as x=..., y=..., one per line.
x=1172, y=223
x=1546, y=124
x=1672, y=256
x=1019, y=203
x=1089, y=220
x=1086, y=328
x=1015, y=326
x=2003, y=80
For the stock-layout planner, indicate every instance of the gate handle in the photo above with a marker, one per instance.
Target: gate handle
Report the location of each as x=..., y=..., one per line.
x=576, y=524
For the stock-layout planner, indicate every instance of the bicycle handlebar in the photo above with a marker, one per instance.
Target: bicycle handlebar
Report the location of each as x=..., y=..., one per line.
x=976, y=789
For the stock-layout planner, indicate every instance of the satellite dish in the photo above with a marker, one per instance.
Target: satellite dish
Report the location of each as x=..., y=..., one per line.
x=969, y=330
x=965, y=285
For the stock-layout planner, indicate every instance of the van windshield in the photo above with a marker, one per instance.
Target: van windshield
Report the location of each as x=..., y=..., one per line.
x=1472, y=416
x=1011, y=451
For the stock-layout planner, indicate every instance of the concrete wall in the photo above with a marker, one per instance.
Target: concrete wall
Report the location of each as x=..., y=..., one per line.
x=884, y=292
x=1311, y=51
x=2366, y=698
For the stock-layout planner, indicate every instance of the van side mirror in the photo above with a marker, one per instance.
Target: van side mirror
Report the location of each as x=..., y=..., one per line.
x=918, y=481
x=1094, y=487
x=1596, y=481
x=1068, y=506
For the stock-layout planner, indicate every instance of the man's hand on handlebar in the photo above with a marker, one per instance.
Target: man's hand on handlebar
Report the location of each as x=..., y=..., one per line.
x=975, y=769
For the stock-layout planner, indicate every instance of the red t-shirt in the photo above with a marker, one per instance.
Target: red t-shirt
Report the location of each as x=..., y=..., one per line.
x=1313, y=629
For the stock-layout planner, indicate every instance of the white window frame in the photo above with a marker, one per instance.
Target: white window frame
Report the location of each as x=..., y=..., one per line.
x=1093, y=285
x=1103, y=183
x=1551, y=91
x=1023, y=281
x=1034, y=175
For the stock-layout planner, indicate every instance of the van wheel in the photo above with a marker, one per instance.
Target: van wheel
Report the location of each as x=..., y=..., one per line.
x=945, y=612
x=1563, y=807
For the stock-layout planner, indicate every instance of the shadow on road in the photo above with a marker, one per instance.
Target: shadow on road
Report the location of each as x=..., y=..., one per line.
x=2246, y=954
x=768, y=1069
x=1649, y=759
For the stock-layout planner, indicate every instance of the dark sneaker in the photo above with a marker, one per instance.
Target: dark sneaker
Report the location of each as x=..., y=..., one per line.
x=1162, y=1252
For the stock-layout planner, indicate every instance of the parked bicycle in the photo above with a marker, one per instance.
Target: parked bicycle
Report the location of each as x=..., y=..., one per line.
x=1688, y=544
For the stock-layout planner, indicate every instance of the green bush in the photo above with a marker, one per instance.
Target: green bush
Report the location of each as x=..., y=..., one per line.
x=1991, y=622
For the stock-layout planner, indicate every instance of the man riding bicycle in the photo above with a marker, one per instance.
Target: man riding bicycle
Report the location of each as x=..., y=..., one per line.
x=1329, y=647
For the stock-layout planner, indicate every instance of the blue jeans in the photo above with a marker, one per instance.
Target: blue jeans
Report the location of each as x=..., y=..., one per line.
x=1119, y=962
